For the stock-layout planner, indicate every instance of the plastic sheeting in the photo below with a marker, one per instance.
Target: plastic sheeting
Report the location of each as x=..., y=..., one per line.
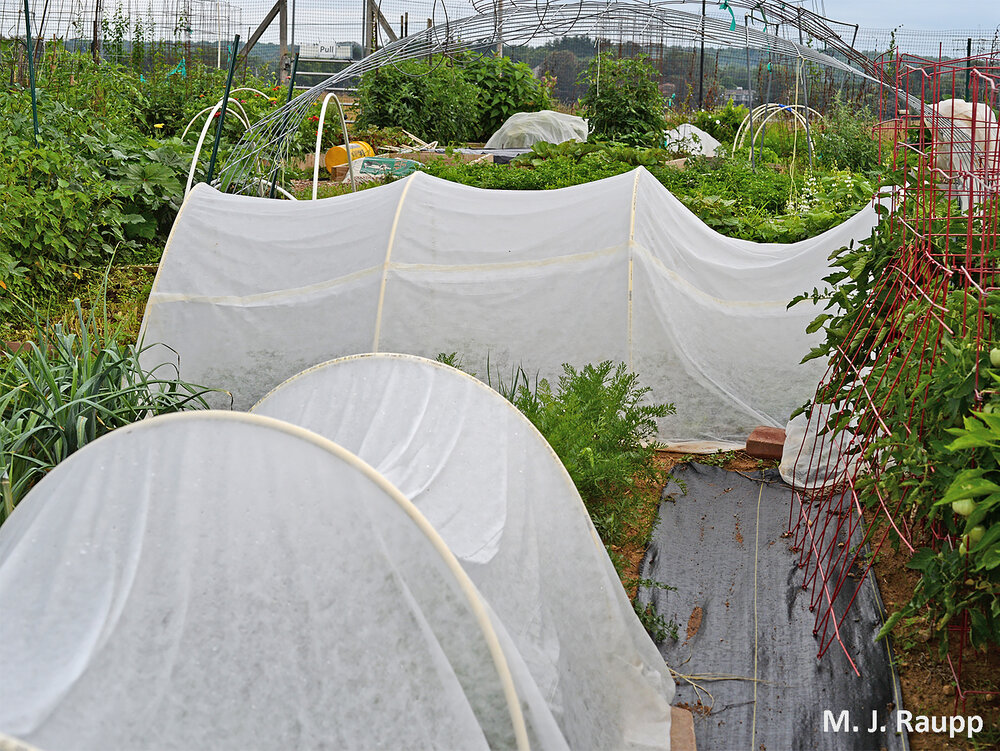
x=488, y=482
x=252, y=291
x=691, y=140
x=228, y=581
x=813, y=457
x=746, y=629
x=524, y=129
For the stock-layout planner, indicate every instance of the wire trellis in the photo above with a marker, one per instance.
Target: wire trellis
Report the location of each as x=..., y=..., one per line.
x=258, y=156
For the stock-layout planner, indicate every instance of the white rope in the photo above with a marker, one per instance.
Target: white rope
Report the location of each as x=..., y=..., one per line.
x=319, y=139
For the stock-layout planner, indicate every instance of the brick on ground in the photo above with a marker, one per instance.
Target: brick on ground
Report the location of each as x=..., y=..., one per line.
x=766, y=443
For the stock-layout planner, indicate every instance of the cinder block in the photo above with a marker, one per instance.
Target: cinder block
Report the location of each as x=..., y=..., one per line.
x=766, y=443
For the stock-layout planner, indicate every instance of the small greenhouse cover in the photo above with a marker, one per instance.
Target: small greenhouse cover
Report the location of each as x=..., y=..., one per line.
x=227, y=581
x=691, y=140
x=522, y=130
x=251, y=291
x=488, y=482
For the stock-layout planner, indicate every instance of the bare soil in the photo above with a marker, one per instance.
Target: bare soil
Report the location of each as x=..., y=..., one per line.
x=929, y=686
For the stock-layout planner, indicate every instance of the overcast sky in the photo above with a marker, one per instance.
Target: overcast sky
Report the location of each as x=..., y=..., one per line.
x=915, y=14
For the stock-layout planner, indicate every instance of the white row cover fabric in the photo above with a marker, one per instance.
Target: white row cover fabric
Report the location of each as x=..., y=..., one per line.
x=228, y=581
x=251, y=291
x=691, y=140
x=523, y=130
x=488, y=482
x=811, y=456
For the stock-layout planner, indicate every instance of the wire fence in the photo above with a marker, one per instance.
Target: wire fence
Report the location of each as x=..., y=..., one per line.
x=137, y=32
x=694, y=70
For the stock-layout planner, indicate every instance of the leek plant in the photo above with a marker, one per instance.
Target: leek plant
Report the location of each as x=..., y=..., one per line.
x=69, y=387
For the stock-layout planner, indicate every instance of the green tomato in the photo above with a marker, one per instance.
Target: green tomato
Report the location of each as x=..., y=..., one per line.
x=962, y=550
x=976, y=534
x=995, y=357
x=963, y=506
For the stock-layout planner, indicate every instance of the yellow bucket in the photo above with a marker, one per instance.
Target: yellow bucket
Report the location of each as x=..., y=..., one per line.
x=337, y=155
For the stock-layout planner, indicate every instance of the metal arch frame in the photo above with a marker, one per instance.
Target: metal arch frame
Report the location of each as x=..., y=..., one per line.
x=257, y=153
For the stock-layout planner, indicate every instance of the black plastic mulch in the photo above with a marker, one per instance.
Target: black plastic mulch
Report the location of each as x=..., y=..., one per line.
x=704, y=545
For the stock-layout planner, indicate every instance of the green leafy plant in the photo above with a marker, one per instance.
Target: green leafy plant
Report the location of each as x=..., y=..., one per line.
x=656, y=625
x=845, y=139
x=505, y=87
x=596, y=423
x=921, y=471
x=66, y=390
x=966, y=578
x=722, y=123
x=727, y=194
x=434, y=101
x=718, y=459
x=623, y=102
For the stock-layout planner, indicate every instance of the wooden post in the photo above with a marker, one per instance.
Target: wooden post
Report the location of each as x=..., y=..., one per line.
x=95, y=44
x=701, y=65
x=499, y=28
x=368, y=31
x=283, y=41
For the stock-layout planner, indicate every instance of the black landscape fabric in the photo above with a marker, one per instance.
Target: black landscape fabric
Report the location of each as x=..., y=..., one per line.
x=704, y=546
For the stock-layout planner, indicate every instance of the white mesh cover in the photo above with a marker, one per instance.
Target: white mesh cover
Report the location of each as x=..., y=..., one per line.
x=812, y=456
x=500, y=498
x=251, y=291
x=691, y=140
x=524, y=129
x=227, y=581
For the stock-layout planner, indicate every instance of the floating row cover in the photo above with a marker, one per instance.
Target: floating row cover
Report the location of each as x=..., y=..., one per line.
x=487, y=481
x=227, y=581
x=523, y=130
x=691, y=139
x=251, y=291
x=222, y=580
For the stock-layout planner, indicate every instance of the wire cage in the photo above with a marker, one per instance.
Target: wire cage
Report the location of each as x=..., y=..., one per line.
x=128, y=31
x=913, y=359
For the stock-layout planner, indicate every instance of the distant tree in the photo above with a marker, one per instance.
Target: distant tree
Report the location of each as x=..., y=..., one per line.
x=565, y=67
x=582, y=46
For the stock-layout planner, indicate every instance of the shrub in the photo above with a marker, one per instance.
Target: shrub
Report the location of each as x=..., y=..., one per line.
x=505, y=88
x=846, y=140
x=84, y=193
x=433, y=101
x=622, y=101
x=722, y=123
